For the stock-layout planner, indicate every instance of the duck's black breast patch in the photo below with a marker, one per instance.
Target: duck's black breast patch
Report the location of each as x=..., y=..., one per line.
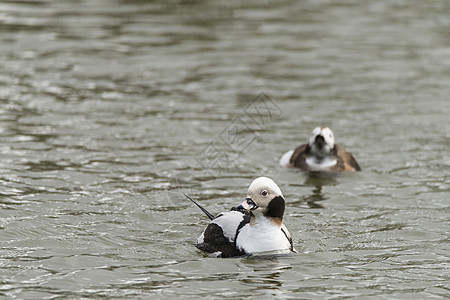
x=275, y=209
x=214, y=240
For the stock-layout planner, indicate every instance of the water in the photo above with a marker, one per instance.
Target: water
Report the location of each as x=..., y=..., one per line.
x=110, y=109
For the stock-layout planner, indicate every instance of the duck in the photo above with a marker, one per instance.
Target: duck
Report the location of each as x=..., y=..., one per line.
x=255, y=227
x=321, y=153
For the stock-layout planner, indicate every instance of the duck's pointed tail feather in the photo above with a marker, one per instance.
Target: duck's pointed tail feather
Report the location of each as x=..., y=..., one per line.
x=210, y=216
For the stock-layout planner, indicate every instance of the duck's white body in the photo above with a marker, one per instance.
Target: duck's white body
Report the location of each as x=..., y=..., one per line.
x=263, y=236
x=286, y=158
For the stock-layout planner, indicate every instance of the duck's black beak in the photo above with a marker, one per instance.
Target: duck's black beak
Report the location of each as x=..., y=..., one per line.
x=248, y=204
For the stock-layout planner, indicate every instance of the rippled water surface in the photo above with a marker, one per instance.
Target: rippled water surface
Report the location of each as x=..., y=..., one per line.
x=110, y=109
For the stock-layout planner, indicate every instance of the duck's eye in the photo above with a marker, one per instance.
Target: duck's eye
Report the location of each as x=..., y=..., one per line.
x=264, y=193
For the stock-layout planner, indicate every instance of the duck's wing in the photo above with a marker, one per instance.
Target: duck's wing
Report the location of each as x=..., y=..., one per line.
x=288, y=236
x=219, y=235
x=299, y=156
x=348, y=158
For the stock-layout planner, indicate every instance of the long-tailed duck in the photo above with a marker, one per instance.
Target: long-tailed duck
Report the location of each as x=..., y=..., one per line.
x=320, y=154
x=254, y=227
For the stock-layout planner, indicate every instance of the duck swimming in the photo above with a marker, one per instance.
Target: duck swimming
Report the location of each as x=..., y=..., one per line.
x=255, y=226
x=320, y=154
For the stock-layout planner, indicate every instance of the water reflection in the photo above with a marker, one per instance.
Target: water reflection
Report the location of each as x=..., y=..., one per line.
x=317, y=180
x=266, y=271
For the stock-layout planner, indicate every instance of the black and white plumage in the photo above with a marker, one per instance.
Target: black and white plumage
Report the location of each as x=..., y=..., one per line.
x=255, y=226
x=320, y=154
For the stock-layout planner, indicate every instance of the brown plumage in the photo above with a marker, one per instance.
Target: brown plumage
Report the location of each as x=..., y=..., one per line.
x=322, y=154
x=345, y=162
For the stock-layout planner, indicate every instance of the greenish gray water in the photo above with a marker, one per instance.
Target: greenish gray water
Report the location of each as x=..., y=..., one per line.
x=109, y=109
